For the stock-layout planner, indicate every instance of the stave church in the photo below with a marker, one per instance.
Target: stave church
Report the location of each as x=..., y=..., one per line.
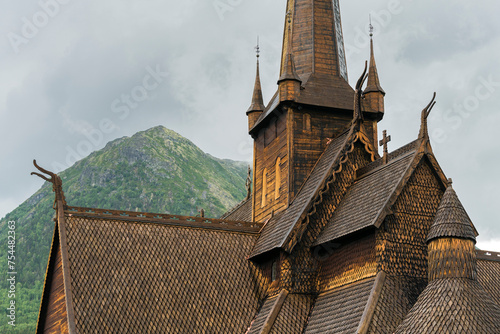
x=331, y=238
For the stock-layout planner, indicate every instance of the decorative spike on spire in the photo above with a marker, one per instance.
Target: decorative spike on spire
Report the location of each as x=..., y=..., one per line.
x=424, y=132
x=257, y=100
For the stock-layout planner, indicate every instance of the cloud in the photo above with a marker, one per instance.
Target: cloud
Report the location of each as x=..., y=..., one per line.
x=89, y=54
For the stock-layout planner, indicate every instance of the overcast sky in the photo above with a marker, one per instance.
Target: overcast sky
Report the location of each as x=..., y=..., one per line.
x=77, y=74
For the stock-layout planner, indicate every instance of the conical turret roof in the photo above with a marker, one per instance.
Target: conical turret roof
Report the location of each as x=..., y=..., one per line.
x=451, y=219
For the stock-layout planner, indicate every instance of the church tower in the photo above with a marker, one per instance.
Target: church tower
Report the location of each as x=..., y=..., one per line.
x=313, y=103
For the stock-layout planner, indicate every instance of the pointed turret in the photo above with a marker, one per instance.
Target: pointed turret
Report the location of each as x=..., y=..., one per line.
x=451, y=240
x=453, y=300
x=289, y=81
x=374, y=94
x=451, y=219
x=257, y=106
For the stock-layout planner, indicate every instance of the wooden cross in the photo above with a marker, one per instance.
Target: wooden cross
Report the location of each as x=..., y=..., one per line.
x=384, y=143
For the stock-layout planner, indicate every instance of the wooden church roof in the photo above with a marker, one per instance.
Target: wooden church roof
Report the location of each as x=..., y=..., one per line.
x=152, y=273
x=115, y=271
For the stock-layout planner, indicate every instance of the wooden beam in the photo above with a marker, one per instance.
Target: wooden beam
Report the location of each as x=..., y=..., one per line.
x=366, y=319
x=271, y=318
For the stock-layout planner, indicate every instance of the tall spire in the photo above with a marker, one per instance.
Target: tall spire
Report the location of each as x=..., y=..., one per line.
x=313, y=35
x=318, y=44
x=257, y=106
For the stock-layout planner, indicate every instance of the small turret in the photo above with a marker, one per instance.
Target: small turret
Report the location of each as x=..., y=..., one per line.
x=451, y=240
x=257, y=106
x=374, y=94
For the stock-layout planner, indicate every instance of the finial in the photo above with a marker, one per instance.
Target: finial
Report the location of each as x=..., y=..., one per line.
x=450, y=182
x=371, y=26
x=56, y=184
x=424, y=133
x=249, y=182
x=386, y=139
x=257, y=49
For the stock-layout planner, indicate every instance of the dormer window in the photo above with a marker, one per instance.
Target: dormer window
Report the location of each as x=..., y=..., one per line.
x=274, y=271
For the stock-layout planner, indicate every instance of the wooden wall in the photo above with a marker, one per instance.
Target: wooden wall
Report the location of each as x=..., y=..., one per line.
x=351, y=262
x=311, y=128
x=271, y=160
x=56, y=319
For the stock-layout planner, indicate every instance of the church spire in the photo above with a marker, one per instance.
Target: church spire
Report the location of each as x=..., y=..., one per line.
x=316, y=34
x=257, y=106
x=374, y=93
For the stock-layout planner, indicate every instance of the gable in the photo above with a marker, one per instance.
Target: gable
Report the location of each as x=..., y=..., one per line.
x=365, y=200
x=285, y=230
x=53, y=316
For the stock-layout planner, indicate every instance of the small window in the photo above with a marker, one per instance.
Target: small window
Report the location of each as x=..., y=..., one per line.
x=264, y=187
x=277, y=181
x=274, y=271
x=306, y=120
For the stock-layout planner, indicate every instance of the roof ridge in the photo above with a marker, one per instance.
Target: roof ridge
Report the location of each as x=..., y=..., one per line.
x=361, y=173
x=166, y=219
x=488, y=255
x=396, y=154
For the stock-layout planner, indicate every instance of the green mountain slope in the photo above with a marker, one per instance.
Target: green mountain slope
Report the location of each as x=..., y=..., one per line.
x=153, y=171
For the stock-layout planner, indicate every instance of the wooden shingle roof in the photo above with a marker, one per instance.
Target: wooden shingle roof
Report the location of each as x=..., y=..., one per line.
x=451, y=219
x=341, y=310
x=366, y=199
x=241, y=212
x=488, y=273
x=457, y=305
x=282, y=313
x=159, y=273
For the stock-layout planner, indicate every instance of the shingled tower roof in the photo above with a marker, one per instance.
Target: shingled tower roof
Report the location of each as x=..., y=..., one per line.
x=373, y=84
x=452, y=219
x=257, y=100
x=454, y=301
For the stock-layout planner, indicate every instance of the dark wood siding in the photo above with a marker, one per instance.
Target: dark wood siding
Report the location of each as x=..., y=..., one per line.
x=311, y=128
x=56, y=319
x=271, y=145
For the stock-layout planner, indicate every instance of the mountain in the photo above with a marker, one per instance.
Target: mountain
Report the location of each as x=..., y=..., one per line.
x=156, y=170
